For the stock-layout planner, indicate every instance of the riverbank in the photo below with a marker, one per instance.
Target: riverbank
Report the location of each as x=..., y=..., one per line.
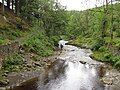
x=24, y=46
x=70, y=70
x=23, y=49
x=111, y=77
x=24, y=55
x=30, y=70
x=107, y=53
x=56, y=65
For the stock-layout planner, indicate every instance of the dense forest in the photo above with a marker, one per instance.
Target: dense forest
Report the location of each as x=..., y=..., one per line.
x=37, y=26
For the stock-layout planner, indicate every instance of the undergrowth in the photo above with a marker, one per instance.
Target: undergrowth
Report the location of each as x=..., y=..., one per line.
x=105, y=51
x=13, y=62
x=39, y=43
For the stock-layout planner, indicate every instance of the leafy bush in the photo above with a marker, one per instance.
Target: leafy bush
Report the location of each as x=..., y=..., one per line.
x=36, y=58
x=39, y=43
x=97, y=45
x=117, y=64
x=107, y=57
x=116, y=42
x=118, y=32
x=116, y=61
x=13, y=61
x=1, y=40
x=54, y=40
x=103, y=49
x=10, y=33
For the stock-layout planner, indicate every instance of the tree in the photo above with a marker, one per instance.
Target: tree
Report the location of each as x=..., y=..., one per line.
x=17, y=7
x=12, y=4
x=104, y=21
x=112, y=27
x=8, y=4
x=50, y=14
x=3, y=8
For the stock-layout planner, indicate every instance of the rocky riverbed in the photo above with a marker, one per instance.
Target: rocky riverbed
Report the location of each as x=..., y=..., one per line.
x=70, y=69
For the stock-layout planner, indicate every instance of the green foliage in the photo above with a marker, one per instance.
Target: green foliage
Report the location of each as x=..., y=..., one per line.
x=92, y=28
x=2, y=40
x=107, y=40
x=116, y=42
x=50, y=15
x=97, y=45
x=102, y=56
x=107, y=57
x=39, y=43
x=36, y=58
x=118, y=32
x=103, y=49
x=13, y=62
x=95, y=28
x=54, y=40
x=116, y=60
x=10, y=33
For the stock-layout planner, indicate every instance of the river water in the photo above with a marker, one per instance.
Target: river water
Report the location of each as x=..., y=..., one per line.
x=73, y=70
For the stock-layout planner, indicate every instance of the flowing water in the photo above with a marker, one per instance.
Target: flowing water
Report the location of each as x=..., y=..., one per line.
x=73, y=70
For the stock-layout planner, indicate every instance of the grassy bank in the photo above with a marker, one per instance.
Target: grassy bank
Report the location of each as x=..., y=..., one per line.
x=106, y=52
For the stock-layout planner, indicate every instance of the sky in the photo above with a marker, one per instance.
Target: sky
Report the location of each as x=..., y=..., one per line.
x=81, y=4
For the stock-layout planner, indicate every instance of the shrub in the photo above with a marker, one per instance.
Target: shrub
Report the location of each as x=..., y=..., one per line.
x=103, y=49
x=97, y=45
x=54, y=40
x=13, y=61
x=1, y=40
x=117, y=64
x=116, y=60
x=39, y=44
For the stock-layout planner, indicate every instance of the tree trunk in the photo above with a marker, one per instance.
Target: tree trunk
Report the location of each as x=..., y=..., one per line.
x=111, y=30
x=106, y=3
x=17, y=7
x=8, y=4
x=105, y=20
x=3, y=8
x=12, y=4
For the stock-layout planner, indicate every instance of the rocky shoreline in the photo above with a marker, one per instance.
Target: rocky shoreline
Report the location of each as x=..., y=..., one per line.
x=111, y=77
x=30, y=70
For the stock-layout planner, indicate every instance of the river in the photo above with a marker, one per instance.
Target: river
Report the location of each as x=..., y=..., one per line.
x=73, y=70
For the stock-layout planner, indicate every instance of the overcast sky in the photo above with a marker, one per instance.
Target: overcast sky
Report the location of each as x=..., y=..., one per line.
x=81, y=4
